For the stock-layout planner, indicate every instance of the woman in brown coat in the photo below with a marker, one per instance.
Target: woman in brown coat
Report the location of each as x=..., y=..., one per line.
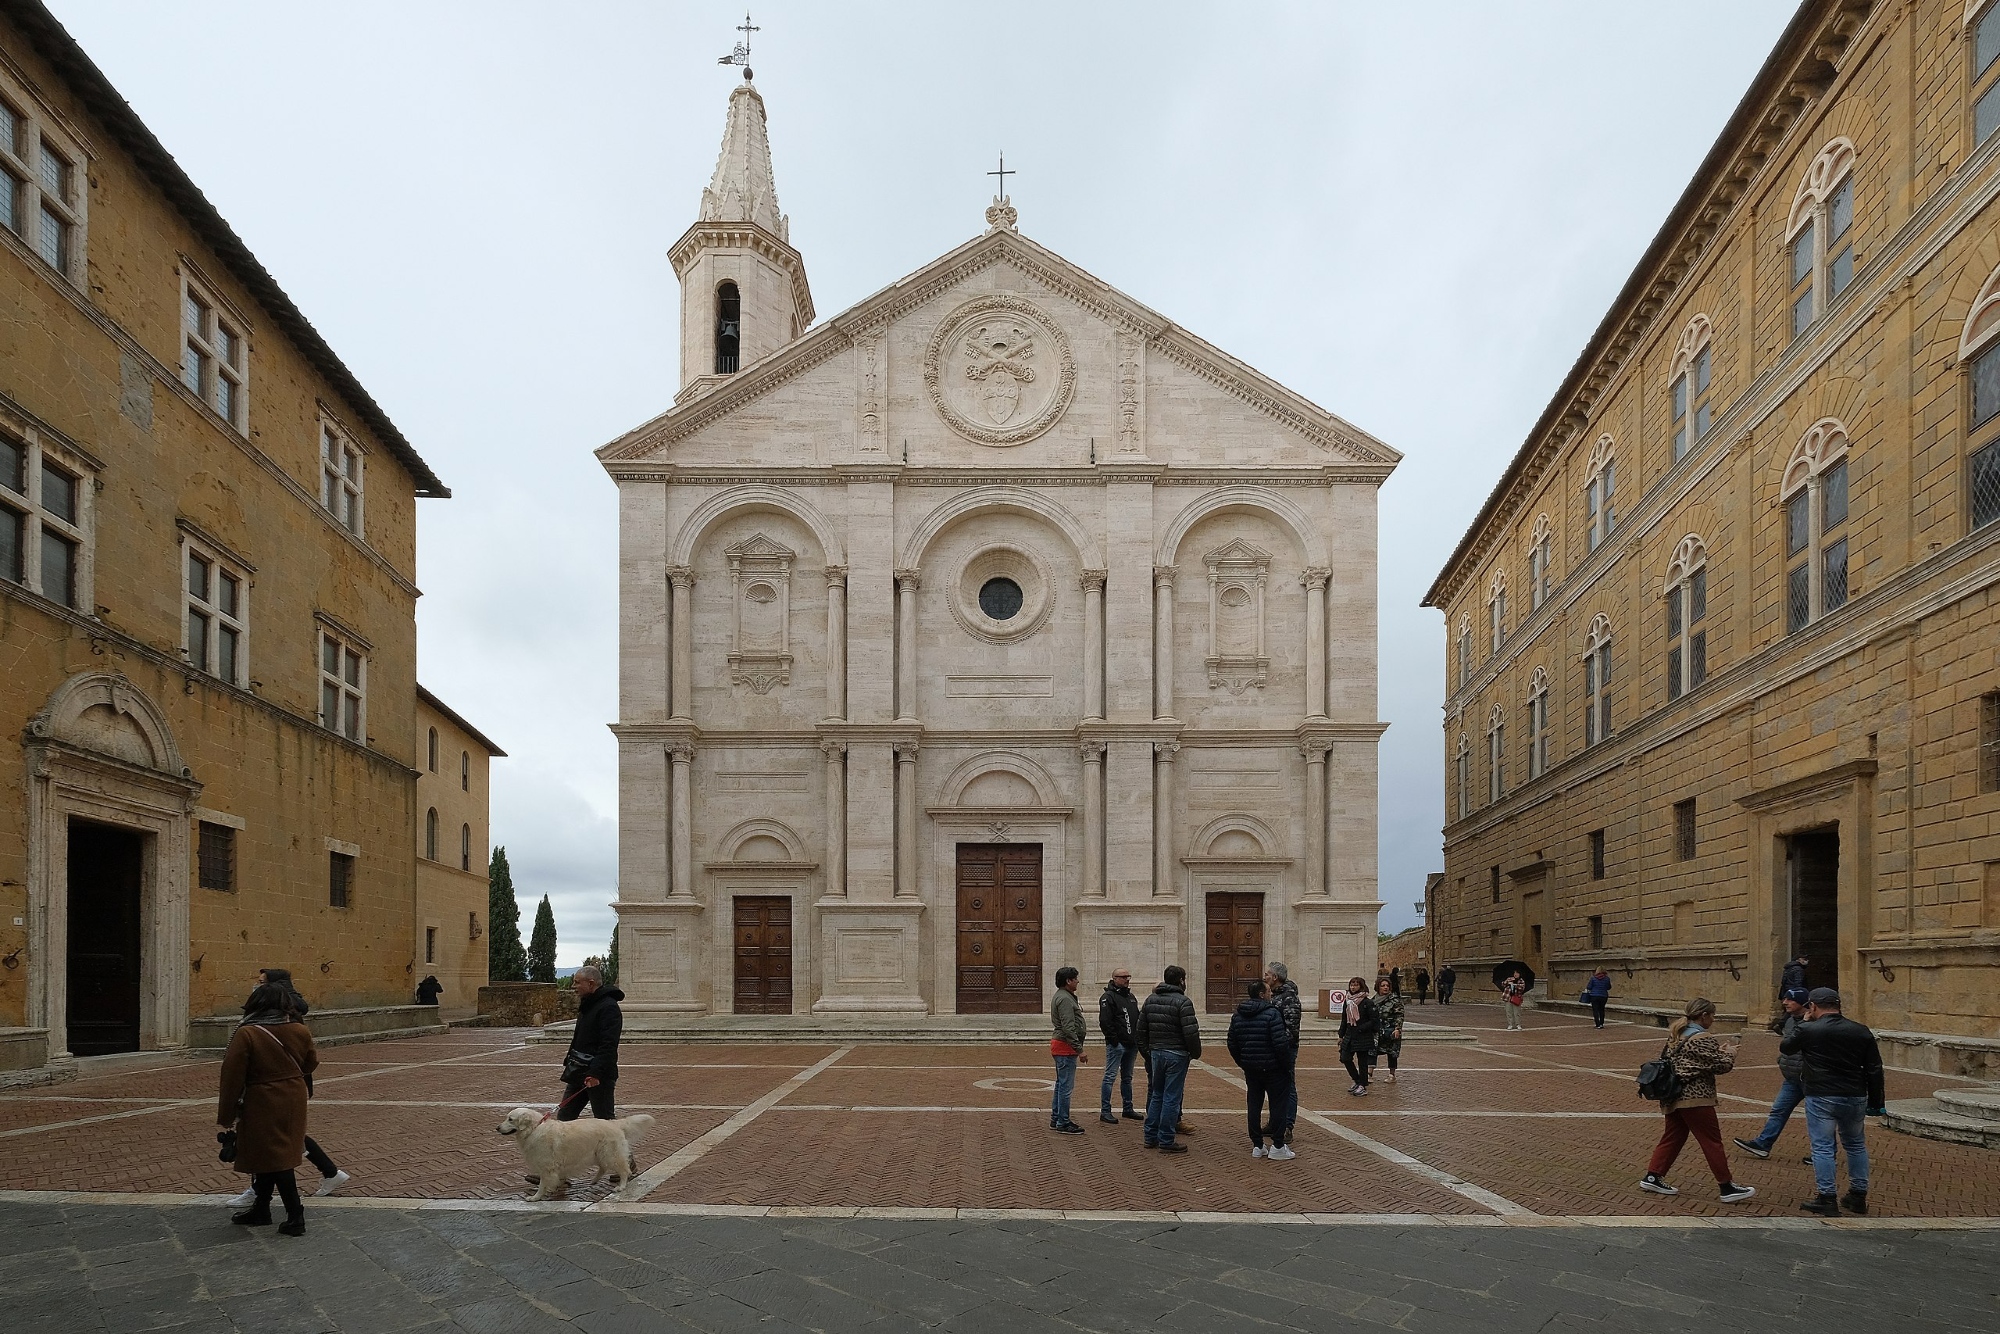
x=266, y=1080
x=1698, y=1056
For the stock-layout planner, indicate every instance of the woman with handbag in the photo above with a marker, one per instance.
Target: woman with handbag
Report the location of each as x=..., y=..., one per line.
x=1697, y=1057
x=1359, y=1023
x=266, y=1081
x=1513, y=995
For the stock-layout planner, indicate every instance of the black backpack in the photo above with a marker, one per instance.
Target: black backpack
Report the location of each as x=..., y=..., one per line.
x=1659, y=1081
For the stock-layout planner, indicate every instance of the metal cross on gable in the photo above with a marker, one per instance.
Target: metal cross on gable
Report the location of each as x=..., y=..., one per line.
x=1003, y=174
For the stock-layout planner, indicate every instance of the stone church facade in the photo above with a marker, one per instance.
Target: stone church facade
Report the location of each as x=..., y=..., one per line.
x=992, y=625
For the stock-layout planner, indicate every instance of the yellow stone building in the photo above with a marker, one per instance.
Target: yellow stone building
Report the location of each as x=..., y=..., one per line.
x=1722, y=676
x=209, y=716
x=452, y=852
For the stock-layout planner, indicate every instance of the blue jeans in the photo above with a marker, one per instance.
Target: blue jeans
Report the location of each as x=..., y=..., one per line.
x=1790, y=1094
x=1065, y=1081
x=1118, y=1060
x=1166, y=1079
x=1826, y=1118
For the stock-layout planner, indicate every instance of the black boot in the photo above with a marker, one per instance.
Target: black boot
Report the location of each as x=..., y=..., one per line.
x=1824, y=1205
x=257, y=1215
x=1855, y=1201
x=294, y=1225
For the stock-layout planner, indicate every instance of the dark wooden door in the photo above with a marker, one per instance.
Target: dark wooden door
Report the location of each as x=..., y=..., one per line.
x=1000, y=928
x=763, y=954
x=104, y=873
x=1813, y=864
x=1235, y=948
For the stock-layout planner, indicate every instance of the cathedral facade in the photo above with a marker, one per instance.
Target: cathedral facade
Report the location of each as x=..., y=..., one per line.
x=993, y=625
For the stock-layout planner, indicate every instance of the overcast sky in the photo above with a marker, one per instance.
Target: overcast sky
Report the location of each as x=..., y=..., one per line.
x=1412, y=213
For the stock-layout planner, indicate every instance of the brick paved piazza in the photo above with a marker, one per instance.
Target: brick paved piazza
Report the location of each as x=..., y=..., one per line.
x=911, y=1186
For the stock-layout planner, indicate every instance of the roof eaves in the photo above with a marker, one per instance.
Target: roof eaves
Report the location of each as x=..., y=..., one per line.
x=61, y=50
x=427, y=697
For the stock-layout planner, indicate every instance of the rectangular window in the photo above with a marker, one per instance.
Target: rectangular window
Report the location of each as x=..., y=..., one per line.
x=1798, y=598
x=1610, y=492
x=340, y=478
x=13, y=528
x=58, y=567
x=1597, y=854
x=39, y=201
x=1496, y=758
x=430, y=944
x=1840, y=216
x=41, y=521
x=1681, y=440
x=1802, y=254
x=1833, y=577
x=1603, y=691
x=1697, y=658
x=216, y=857
x=1986, y=386
x=1983, y=481
x=1697, y=595
x=213, y=361
x=1833, y=497
x=339, y=879
x=1802, y=313
x=1589, y=699
x=1684, y=830
x=1674, y=686
x=1989, y=742
x=1493, y=882
x=1597, y=933
x=1986, y=114
x=342, y=687
x=217, y=617
x=1986, y=75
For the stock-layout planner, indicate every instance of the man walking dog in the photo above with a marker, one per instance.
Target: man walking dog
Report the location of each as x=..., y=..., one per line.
x=590, y=1066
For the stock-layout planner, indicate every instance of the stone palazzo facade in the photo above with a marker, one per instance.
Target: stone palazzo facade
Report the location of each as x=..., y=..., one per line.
x=993, y=625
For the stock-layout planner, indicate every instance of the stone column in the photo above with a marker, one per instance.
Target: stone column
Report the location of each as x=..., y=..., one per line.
x=681, y=753
x=1315, y=757
x=1163, y=641
x=906, y=819
x=834, y=752
x=1163, y=817
x=836, y=641
x=682, y=579
x=1093, y=647
x=1315, y=581
x=907, y=584
x=1092, y=755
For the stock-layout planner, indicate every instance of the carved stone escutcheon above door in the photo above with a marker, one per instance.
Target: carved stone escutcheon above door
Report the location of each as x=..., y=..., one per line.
x=999, y=371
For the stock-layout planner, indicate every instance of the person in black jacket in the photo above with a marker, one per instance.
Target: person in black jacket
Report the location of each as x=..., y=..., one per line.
x=1842, y=1074
x=1794, y=976
x=331, y=1177
x=1447, y=980
x=1261, y=1047
x=1359, y=1023
x=1169, y=1038
x=592, y=1060
x=1118, y=1021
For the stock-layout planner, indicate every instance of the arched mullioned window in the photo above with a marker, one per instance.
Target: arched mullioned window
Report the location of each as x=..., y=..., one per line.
x=1600, y=490
x=434, y=750
x=1538, y=723
x=1496, y=754
x=728, y=329
x=1979, y=349
x=465, y=847
x=1539, y=550
x=1597, y=681
x=1464, y=649
x=1688, y=381
x=1817, y=233
x=431, y=834
x=1813, y=489
x=1687, y=608
x=1463, y=763
x=1496, y=610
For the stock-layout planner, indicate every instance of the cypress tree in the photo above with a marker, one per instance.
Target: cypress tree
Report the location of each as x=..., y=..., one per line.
x=611, y=961
x=542, y=944
x=506, y=961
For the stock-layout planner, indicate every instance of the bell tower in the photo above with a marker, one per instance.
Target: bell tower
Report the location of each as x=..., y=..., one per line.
x=743, y=288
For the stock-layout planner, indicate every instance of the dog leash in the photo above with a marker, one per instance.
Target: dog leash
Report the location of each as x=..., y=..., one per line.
x=581, y=1089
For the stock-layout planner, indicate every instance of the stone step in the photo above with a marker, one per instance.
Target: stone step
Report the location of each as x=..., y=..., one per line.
x=1926, y=1118
x=1979, y=1104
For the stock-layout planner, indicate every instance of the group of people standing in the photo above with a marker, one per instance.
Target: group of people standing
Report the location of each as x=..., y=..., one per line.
x=1165, y=1032
x=1447, y=981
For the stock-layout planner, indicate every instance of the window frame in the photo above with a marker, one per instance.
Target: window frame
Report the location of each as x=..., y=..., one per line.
x=1823, y=452
x=38, y=131
x=1464, y=650
x=38, y=523
x=1496, y=755
x=1538, y=723
x=1982, y=86
x=1690, y=386
x=350, y=480
x=1462, y=760
x=1979, y=349
x=341, y=873
x=465, y=771
x=1597, y=680
x=1540, y=551
x=465, y=847
x=203, y=826
x=431, y=834
x=1496, y=612
x=346, y=644
x=1989, y=741
x=433, y=756
x=1600, y=493
x=1684, y=830
x=1828, y=179
x=1685, y=597
x=212, y=368
x=1595, y=842
x=220, y=566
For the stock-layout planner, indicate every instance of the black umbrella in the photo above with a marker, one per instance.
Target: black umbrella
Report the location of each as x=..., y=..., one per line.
x=1501, y=971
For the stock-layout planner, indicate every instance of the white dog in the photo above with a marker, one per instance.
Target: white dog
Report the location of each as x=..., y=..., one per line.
x=556, y=1151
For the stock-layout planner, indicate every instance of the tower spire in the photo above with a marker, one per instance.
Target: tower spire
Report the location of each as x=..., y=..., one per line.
x=743, y=188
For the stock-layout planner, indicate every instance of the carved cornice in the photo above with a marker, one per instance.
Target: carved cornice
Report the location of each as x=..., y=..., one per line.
x=1101, y=474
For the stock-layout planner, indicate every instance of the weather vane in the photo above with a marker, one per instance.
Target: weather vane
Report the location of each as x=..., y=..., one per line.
x=741, y=54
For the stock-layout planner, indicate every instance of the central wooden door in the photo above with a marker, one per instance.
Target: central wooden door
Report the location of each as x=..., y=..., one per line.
x=106, y=867
x=1235, y=948
x=999, y=928
x=763, y=954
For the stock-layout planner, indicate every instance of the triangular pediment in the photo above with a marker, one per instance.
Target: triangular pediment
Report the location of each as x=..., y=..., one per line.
x=838, y=358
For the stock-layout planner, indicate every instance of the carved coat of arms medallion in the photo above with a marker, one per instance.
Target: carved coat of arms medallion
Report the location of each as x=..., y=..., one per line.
x=999, y=371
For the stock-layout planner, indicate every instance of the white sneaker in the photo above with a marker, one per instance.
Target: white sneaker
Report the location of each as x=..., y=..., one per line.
x=328, y=1185
x=1256, y=1151
x=245, y=1200
x=1282, y=1153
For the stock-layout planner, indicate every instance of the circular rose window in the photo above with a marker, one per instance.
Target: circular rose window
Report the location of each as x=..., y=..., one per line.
x=1000, y=598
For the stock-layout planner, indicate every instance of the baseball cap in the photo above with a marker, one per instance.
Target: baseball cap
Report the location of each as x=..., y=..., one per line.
x=1825, y=996
x=1796, y=995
